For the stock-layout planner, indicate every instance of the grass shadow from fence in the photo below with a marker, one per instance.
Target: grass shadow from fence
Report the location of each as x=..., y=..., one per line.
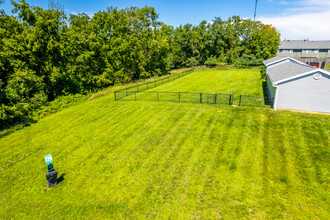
x=185, y=97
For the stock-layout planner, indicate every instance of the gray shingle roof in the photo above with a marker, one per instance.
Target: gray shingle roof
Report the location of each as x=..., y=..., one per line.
x=304, y=44
x=273, y=59
x=287, y=70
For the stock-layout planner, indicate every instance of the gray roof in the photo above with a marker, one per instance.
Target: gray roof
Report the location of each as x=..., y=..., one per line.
x=304, y=44
x=287, y=70
x=273, y=59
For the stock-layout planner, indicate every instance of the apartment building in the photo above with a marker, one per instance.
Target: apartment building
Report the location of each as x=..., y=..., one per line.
x=316, y=53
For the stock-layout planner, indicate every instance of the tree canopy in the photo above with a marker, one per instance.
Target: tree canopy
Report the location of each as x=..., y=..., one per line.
x=45, y=55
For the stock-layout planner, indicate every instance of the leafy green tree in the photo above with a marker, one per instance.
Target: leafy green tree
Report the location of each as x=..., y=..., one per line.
x=211, y=62
x=192, y=62
x=45, y=55
x=247, y=60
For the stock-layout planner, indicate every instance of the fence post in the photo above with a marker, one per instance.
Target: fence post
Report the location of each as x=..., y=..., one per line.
x=230, y=99
x=240, y=100
x=215, y=99
x=179, y=96
x=126, y=92
x=147, y=86
x=115, y=96
x=201, y=97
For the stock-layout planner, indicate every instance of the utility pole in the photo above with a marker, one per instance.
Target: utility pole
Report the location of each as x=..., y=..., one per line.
x=255, y=10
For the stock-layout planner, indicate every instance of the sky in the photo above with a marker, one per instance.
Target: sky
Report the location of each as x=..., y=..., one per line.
x=295, y=19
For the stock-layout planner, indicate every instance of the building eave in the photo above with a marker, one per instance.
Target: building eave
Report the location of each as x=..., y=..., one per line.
x=300, y=75
x=279, y=61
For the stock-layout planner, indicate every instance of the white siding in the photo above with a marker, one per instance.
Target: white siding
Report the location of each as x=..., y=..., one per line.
x=305, y=93
x=271, y=88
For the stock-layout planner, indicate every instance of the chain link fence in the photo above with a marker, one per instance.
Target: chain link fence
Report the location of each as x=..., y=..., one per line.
x=256, y=101
x=149, y=85
x=139, y=92
x=208, y=98
x=217, y=98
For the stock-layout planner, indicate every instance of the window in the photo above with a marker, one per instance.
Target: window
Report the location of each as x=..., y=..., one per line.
x=315, y=51
x=281, y=51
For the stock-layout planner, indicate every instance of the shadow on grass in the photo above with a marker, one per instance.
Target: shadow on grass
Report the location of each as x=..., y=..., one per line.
x=267, y=99
x=7, y=129
x=61, y=178
x=264, y=88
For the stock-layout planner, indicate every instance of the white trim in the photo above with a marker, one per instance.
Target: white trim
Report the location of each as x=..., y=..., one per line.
x=281, y=60
x=275, y=99
x=279, y=63
x=302, y=74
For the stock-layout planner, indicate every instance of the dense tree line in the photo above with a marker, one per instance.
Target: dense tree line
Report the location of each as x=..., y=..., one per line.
x=45, y=55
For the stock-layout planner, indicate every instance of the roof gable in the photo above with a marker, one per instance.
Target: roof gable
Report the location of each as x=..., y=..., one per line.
x=304, y=74
x=291, y=70
x=274, y=59
x=278, y=60
x=287, y=70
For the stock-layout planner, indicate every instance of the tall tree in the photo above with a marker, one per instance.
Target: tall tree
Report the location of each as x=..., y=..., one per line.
x=44, y=54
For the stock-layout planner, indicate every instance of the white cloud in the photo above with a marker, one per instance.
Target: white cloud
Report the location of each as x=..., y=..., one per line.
x=90, y=14
x=71, y=12
x=284, y=2
x=307, y=19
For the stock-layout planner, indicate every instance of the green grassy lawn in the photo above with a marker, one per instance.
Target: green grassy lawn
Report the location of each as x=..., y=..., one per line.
x=238, y=81
x=169, y=160
x=327, y=66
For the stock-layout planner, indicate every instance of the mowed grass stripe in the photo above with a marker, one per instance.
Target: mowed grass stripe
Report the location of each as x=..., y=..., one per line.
x=173, y=164
x=144, y=150
x=238, y=81
x=201, y=167
x=168, y=160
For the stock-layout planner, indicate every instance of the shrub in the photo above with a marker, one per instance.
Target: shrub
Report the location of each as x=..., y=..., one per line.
x=192, y=62
x=59, y=103
x=211, y=62
x=263, y=72
x=11, y=115
x=247, y=60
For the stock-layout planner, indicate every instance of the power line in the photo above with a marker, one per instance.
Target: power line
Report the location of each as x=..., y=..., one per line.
x=255, y=10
